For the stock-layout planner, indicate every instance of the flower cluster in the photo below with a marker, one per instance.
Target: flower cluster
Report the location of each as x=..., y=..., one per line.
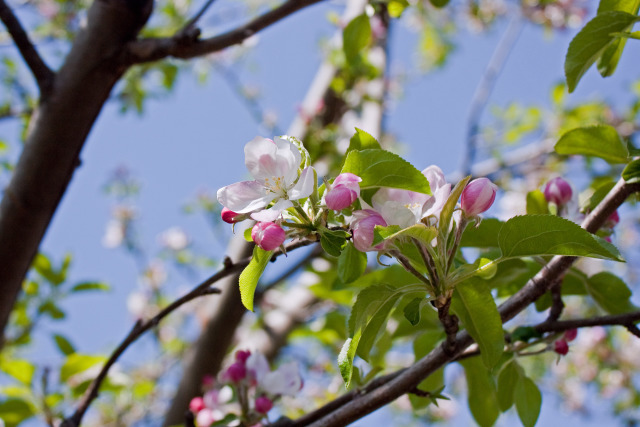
x=250, y=390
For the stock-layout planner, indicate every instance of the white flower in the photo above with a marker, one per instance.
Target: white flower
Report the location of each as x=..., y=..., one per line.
x=174, y=239
x=285, y=381
x=276, y=169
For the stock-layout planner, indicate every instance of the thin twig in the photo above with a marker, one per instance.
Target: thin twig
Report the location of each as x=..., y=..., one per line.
x=190, y=25
x=154, y=49
x=42, y=73
x=142, y=326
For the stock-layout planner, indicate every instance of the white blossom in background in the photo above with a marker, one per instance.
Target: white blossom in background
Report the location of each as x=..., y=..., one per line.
x=174, y=239
x=155, y=275
x=137, y=304
x=114, y=234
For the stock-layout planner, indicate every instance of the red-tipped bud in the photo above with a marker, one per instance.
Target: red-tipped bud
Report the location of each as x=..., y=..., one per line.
x=478, y=196
x=263, y=404
x=268, y=235
x=230, y=217
x=363, y=227
x=344, y=191
x=561, y=347
x=558, y=191
x=570, y=335
x=242, y=356
x=236, y=372
x=196, y=405
x=613, y=220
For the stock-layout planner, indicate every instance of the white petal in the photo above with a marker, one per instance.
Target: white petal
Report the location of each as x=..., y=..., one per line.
x=288, y=159
x=435, y=176
x=260, y=158
x=271, y=214
x=304, y=186
x=257, y=365
x=245, y=196
x=284, y=381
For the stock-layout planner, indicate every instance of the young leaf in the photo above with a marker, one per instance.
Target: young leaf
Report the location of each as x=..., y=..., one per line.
x=356, y=36
x=13, y=411
x=531, y=235
x=20, y=369
x=473, y=303
x=537, y=203
x=528, y=401
x=507, y=381
x=64, y=345
x=396, y=7
x=610, y=293
x=420, y=232
x=361, y=140
x=368, y=316
x=351, y=264
x=393, y=275
x=609, y=60
x=631, y=172
x=333, y=241
x=485, y=235
x=444, y=223
x=76, y=363
x=90, y=286
x=600, y=141
x=251, y=274
x=482, y=399
x=412, y=311
x=590, y=43
x=380, y=168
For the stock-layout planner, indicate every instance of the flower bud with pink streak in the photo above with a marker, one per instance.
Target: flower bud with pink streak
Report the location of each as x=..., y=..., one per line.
x=196, y=404
x=236, y=372
x=478, y=196
x=231, y=217
x=268, y=235
x=343, y=192
x=363, y=227
x=558, y=191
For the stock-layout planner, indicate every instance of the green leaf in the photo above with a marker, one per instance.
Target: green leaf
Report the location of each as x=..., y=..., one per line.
x=600, y=141
x=20, y=369
x=368, y=316
x=251, y=275
x=50, y=308
x=592, y=41
x=507, y=381
x=531, y=235
x=473, y=303
x=537, y=203
x=610, y=293
x=393, y=275
x=396, y=7
x=361, y=140
x=76, y=363
x=598, y=195
x=609, y=60
x=485, y=235
x=412, y=310
x=524, y=334
x=90, y=286
x=14, y=411
x=380, y=168
x=444, y=223
x=420, y=232
x=351, y=264
x=482, y=399
x=333, y=241
x=64, y=345
x=356, y=36
x=43, y=266
x=439, y=3
x=528, y=401
x=631, y=172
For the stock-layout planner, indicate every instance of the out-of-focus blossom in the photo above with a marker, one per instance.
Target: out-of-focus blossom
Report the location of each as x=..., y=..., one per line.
x=561, y=347
x=236, y=372
x=268, y=235
x=363, y=227
x=155, y=274
x=174, y=239
x=344, y=191
x=275, y=167
x=242, y=355
x=285, y=381
x=571, y=334
x=196, y=404
x=558, y=191
x=263, y=404
x=478, y=196
x=205, y=418
x=257, y=365
x=613, y=220
x=137, y=304
x=114, y=234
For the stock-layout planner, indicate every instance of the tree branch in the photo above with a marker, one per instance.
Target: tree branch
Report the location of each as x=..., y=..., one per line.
x=142, y=326
x=42, y=73
x=626, y=320
x=353, y=407
x=154, y=49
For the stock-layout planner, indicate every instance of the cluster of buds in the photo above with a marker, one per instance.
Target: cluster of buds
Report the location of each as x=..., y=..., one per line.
x=561, y=346
x=256, y=388
x=559, y=14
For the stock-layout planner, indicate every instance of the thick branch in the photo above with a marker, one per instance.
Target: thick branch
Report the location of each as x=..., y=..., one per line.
x=154, y=49
x=42, y=73
x=356, y=407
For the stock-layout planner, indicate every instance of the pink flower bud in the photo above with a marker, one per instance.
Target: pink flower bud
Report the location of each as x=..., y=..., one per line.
x=558, y=191
x=205, y=418
x=363, y=227
x=268, y=235
x=561, y=347
x=570, y=334
x=263, y=404
x=613, y=220
x=478, y=196
x=236, y=372
x=344, y=191
x=230, y=217
x=196, y=405
x=208, y=381
x=242, y=356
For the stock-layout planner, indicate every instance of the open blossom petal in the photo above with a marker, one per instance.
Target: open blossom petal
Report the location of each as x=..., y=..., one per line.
x=271, y=214
x=266, y=159
x=257, y=366
x=399, y=207
x=245, y=196
x=285, y=381
x=304, y=186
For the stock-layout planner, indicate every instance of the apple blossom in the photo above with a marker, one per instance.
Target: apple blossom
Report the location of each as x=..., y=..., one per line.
x=363, y=226
x=478, y=196
x=571, y=334
x=196, y=404
x=558, y=191
x=242, y=355
x=268, y=235
x=257, y=366
x=263, y=404
x=231, y=217
x=344, y=191
x=284, y=381
x=205, y=418
x=236, y=372
x=276, y=169
x=561, y=347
